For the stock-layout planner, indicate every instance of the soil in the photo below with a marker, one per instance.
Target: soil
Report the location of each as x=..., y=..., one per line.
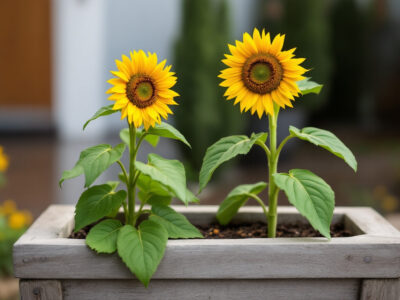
x=260, y=230
x=254, y=230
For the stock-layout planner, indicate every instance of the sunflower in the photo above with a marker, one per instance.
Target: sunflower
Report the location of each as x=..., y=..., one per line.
x=261, y=74
x=142, y=89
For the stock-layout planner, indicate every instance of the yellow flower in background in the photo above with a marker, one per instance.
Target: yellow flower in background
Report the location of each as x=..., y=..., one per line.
x=142, y=89
x=17, y=220
x=8, y=207
x=3, y=160
x=260, y=73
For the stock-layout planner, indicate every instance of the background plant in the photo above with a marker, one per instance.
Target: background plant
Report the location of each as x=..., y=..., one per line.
x=205, y=30
x=311, y=30
x=13, y=223
x=140, y=235
x=263, y=78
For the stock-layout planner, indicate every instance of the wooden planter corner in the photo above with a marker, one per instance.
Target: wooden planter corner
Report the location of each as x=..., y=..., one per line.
x=365, y=266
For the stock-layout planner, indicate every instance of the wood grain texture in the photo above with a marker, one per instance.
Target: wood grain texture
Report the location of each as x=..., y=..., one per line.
x=42, y=253
x=387, y=289
x=41, y=290
x=212, y=289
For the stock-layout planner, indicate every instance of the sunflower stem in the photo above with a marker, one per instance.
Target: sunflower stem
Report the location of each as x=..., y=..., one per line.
x=273, y=190
x=126, y=177
x=132, y=174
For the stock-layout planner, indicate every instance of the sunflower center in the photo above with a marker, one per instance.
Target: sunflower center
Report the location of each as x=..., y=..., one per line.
x=140, y=91
x=262, y=73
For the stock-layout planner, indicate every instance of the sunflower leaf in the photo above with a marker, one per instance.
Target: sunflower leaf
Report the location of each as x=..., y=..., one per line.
x=103, y=111
x=97, y=202
x=93, y=161
x=151, y=139
x=326, y=140
x=236, y=199
x=154, y=192
x=306, y=86
x=224, y=150
x=168, y=131
x=103, y=237
x=169, y=173
x=176, y=224
x=142, y=249
x=311, y=195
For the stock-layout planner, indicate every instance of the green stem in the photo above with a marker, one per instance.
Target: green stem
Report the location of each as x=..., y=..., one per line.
x=259, y=201
x=139, y=212
x=132, y=173
x=139, y=142
x=126, y=182
x=265, y=148
x=125, y=206
x=124, y=172
x=273, y=190
x=283, y=143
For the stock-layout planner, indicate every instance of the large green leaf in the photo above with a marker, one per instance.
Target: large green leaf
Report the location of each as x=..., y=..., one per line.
x=311, y=195
x=175, y=223
x=190, y=197
x=170, y=173
x=326, y=140
x=224, y=150
x=307, y=86
x=103, y=237
x=168, y=131
x=151, y=139
x=69, y=174
x=148, y=185
x=103, y=111
x=97, y=202
x=154, y=192
x=142, y=249
x=93, y=161
x=155, y=199
x=236, y=199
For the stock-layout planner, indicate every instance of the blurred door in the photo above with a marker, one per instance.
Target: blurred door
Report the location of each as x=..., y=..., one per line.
x=25, y=78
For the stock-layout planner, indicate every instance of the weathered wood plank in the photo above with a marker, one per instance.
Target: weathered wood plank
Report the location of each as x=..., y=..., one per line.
x=41, y=290
x=43, y=254
x=212, y=289
x=385, y=289
x=53, y=223
x=218, y=259
x=370, y=222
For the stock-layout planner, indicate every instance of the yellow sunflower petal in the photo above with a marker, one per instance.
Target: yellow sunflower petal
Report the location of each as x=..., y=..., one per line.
x=120, y=75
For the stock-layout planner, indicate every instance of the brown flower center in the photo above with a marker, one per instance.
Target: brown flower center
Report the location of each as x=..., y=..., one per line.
x=140, y=91
x=262, y=73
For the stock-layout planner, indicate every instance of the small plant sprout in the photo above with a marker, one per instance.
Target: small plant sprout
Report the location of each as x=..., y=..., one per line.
x=142, y=92
x=263, y=78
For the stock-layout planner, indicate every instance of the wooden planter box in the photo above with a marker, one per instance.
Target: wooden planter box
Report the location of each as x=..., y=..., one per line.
x=366, y=266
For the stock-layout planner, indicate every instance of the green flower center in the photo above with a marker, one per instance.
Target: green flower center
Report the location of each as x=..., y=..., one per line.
x=140, y=90
x=262, y=73
x=144, y=91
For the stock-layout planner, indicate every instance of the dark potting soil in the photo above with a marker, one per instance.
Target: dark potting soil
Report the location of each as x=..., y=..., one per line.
x=260, y=230
x=254, y=230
